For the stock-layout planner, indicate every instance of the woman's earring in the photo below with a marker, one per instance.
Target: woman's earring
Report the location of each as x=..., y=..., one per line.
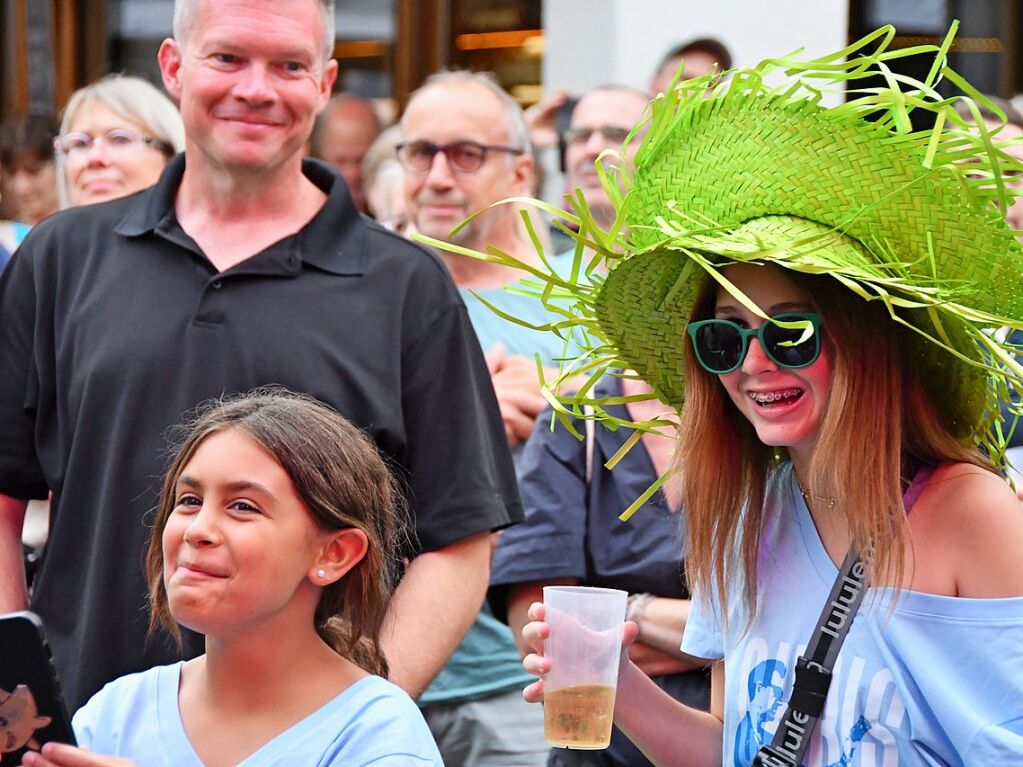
x=321, y=573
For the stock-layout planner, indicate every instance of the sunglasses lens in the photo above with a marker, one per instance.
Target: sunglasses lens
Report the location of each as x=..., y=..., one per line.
x=718, y=346
x=790, y=347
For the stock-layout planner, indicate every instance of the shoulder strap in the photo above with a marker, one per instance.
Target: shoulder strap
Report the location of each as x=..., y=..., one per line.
x=591, y=437
x=813, y=671
x=916, y=487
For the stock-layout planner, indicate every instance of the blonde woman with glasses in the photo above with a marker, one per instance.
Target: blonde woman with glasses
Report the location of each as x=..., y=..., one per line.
x=116, y=137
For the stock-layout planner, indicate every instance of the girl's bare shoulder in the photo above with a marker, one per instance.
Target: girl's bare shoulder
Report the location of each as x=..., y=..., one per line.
x=972, y=519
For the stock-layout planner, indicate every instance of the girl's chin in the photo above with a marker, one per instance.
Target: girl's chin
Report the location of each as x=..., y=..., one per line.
x=774, y=437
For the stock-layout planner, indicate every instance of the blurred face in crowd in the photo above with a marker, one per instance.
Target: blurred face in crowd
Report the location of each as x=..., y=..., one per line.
x=349, y=129
x=442, y=196
x=249, y=79
x=698, y=64
x=109, y=156
x=386, y=197
x=30, y=188
x=1014, y=216
x=600, y=121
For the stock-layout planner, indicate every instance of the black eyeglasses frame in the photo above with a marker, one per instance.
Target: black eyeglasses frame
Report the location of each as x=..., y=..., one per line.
x=434, y=149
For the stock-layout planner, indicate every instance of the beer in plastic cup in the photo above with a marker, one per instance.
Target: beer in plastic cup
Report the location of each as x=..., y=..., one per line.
x=584, y=646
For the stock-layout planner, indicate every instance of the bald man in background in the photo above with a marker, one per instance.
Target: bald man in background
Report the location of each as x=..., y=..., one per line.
x=344, y=132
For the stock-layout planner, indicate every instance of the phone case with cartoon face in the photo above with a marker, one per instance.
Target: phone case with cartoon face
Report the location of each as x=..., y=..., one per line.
x=32, y=710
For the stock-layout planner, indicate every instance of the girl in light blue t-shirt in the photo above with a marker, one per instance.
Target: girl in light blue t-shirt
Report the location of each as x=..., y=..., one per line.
x=276, y=535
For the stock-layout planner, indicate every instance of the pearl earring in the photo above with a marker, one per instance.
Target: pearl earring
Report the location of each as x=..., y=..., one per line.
x=321, y=573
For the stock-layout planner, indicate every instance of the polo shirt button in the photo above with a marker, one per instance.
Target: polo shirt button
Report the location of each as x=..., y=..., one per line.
x=217, y=284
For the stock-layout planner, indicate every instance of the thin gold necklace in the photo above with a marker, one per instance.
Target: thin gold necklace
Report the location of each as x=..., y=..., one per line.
x=807, y=495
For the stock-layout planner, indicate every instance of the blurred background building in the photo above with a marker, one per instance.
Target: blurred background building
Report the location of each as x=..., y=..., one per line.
x=48, y=48
x=386, y=47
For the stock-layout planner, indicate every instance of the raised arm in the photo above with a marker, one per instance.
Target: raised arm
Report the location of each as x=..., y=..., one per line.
x=13, y=591
x=435, y=604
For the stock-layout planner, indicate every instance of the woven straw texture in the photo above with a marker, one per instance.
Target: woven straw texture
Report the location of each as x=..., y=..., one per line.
x=764, y=173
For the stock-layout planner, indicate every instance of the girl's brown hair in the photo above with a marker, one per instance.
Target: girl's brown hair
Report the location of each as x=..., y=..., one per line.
x=344, y=483
x=880, y=415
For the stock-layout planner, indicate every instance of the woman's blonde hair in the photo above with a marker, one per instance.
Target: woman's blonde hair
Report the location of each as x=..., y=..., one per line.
x=879, y=418
x=343, y=482
x=133, y=99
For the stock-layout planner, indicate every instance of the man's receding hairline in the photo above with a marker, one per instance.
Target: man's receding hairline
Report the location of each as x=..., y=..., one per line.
x=455, y=89
x=185, y=11
x=628, y=90
x=511, y=115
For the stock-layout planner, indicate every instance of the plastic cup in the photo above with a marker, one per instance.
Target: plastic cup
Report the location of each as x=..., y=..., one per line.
x=584, y=646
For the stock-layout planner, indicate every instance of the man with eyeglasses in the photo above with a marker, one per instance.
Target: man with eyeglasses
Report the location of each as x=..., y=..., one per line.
x=466, y=147
x=242, y=267
x=601, y=120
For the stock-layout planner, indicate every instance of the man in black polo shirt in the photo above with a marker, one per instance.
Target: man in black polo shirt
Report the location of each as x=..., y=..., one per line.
x=241, y=267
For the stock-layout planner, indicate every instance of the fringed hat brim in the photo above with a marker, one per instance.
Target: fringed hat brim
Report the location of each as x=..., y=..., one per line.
x=759, y=170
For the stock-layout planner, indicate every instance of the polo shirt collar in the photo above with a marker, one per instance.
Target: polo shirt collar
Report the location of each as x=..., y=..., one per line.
x=332, y=241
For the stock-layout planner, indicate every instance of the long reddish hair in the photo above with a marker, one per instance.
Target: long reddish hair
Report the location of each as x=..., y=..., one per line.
x=880, y=412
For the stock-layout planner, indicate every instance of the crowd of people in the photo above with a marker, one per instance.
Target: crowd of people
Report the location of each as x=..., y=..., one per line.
x=288, y=416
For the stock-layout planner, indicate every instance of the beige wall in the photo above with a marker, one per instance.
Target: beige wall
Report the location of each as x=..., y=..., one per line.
x=591, y=42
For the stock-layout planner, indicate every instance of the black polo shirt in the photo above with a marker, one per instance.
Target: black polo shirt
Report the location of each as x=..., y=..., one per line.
x=114, y=324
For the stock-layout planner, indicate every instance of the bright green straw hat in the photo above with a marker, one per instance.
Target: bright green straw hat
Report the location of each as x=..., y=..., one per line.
x=760, y=170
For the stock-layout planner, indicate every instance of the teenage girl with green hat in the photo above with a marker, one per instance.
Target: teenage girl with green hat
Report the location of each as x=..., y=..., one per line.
x=814, y=288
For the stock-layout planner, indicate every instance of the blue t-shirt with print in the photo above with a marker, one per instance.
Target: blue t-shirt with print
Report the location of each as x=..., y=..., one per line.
x=934, y=680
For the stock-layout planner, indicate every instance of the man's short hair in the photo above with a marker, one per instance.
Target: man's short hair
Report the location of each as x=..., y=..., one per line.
x=184, y=20
x=713, y=48
x=515, y=121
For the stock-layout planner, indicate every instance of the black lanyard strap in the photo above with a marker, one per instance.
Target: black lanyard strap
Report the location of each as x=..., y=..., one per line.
x=813, y=670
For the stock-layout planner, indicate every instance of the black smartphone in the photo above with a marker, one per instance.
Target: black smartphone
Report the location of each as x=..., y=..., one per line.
x=32, y=710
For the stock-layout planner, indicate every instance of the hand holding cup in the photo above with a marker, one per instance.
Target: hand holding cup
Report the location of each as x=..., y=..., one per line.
x=581, y=631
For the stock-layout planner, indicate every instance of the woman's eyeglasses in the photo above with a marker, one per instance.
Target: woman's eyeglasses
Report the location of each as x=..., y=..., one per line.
x=463, y=156
x=77, y=144
x=789, y=340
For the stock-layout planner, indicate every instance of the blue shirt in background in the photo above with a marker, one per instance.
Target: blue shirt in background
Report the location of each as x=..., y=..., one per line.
x=11, y=235
x=1009, y=420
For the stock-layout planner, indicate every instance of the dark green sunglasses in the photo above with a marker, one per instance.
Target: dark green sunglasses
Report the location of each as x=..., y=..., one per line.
x=789, y=340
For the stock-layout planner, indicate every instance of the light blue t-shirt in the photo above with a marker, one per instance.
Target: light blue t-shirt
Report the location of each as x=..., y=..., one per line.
x=373, y=724
x=936, y=681
x=491, y=328
x=487, y=661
